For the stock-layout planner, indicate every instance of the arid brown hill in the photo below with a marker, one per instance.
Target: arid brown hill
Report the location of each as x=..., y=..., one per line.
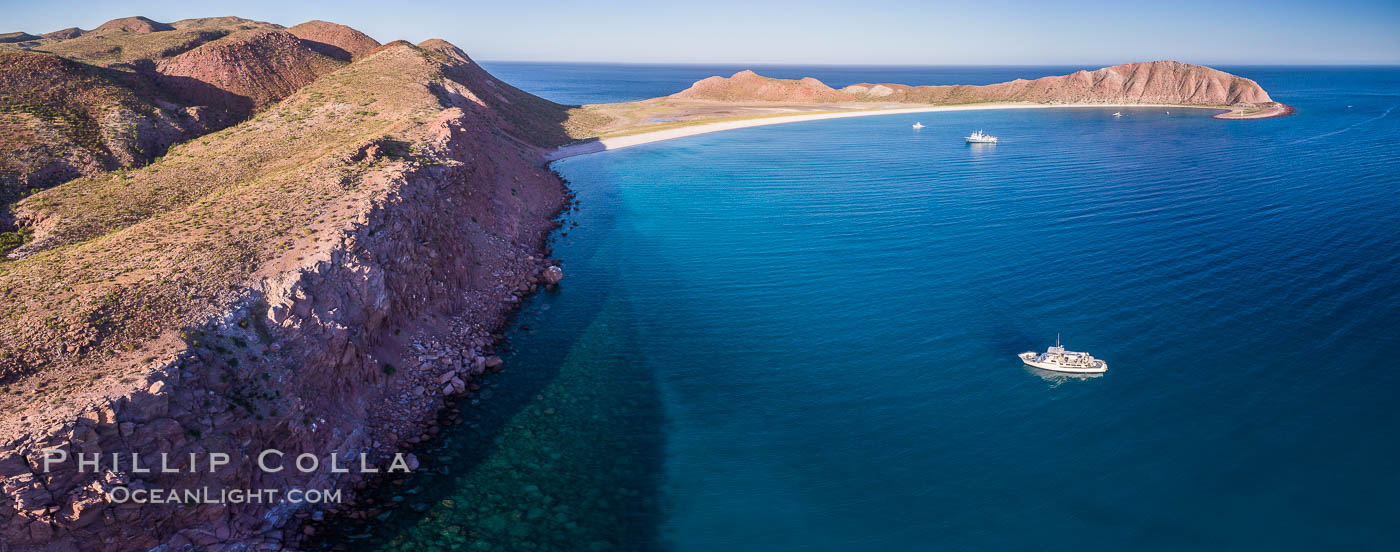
x=532, y=119
x=140, y=49
x=61, y=119
x=76, y=103
x=6, y=38
x=225, y=22
x=135, y=24
x=65, y=34
x=244, y=71
x=335, y=40
x=748, y=86
x=1165, y=82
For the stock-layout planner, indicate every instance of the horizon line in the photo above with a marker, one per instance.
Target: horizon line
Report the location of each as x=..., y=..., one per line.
x=1056, y=64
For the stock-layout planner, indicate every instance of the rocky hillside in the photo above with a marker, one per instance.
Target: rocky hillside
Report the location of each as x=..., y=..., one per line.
x=65, y=34
x=1166, y=82
x=317, y=279
x=77, y=103
x=9, y=38
x=243, y=71
x=60, y=119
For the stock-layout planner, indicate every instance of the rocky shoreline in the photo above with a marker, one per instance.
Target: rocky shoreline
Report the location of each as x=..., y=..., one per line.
x=442, y=360
x=449, y=367
x=707, y=126
x=343, y=345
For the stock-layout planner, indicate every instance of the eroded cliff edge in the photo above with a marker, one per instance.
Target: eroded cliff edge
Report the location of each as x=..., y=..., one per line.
x=316, y=279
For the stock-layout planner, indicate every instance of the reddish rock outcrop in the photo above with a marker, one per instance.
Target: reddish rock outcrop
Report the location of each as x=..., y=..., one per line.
x=245, y=71
x=335, y=40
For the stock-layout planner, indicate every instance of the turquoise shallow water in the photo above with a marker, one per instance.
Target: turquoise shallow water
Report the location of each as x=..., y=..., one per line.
x=802, y=337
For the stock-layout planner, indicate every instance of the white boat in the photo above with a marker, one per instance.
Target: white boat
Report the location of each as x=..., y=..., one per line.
x=918, y=126
x=1117, y=114
x=979, y=138
x=1057, y=359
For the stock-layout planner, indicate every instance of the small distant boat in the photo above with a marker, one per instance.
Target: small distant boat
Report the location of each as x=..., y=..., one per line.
x=1117, y=114
x=979, y=138
x=918, y=126
x=1057, y=359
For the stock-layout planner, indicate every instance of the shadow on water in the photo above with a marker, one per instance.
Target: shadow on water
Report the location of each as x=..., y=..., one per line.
x=562, y=451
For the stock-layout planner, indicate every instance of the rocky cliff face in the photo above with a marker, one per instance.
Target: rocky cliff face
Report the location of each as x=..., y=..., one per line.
x=316, y=279
x=1166, y=82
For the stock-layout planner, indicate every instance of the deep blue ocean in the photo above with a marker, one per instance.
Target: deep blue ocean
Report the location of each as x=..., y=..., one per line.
x=803, y=336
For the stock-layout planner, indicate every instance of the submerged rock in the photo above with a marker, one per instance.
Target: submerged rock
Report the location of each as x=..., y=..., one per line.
x=553, y=274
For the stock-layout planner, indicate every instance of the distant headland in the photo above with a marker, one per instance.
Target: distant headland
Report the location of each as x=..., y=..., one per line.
x=748, y=99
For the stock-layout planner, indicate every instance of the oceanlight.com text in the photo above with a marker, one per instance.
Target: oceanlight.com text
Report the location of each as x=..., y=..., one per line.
x=205, y=495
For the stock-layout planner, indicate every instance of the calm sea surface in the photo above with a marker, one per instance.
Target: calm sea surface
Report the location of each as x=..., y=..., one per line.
x=802, y=337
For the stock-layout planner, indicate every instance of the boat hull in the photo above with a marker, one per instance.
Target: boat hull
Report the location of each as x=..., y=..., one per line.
x=1098, y=367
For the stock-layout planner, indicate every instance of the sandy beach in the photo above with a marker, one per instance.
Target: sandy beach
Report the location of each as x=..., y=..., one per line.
x=619, y=142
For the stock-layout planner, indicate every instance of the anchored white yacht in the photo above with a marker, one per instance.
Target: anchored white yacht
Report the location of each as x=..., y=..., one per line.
x=918, y=125
x=979, y=138
x=1057, y=359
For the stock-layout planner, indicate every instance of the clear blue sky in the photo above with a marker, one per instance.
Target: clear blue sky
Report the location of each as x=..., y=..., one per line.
x=819, y=31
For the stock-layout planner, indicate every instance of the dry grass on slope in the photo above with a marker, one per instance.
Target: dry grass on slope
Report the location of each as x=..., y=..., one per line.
x=123, y=47
x=132, y=255
x=335, y=40
x=51, y=111
x=748, y=86
x=536, y=121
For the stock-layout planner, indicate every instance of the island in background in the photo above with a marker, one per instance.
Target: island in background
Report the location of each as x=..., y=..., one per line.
x=228, y=235
x=747, y=99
